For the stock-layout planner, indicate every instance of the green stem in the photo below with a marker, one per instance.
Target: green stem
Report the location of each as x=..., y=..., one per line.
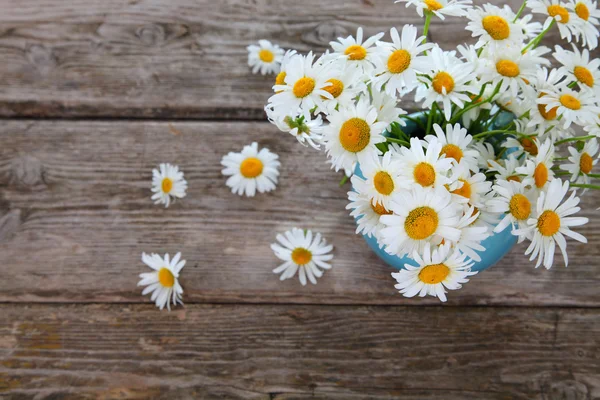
x=426, y=27
x=402, y=142
x=503, y=131
x=538, y=38
x=520, y=11
x=574, y=139
x=581, y=185
x=430, y=118
x=415, y=120
x=459, y=114
x=593, y=175
x=344, y=180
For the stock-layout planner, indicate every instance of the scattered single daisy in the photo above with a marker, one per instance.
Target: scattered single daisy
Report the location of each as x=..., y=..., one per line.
x=428, y=168
x=167, y=183
x=582, y=162
x=552, y=222
x=437, y=270
x=358, y=54
x=439, y=8
x=494, y=25
x=266, y=57
x=302, y=252
x=163, y=282
x=251, y=170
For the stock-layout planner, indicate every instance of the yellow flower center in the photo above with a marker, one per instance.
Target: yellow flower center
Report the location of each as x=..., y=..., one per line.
x=443, y=81
x=167, y=185
x=421, y=223
x=584, y=76
x=547, y=115
x=556, y=10
x=433, y=5
x=508, y=68
x=380, y=209
x=514, y=178
x=355, y=135
x=582, y=11
x=570, y=102
x=586, y=163
x=529, y=146
x=424, y=174
x=166, y=278
x=465, y=190
x=434, y=273
x=266, y=55
x=453, y=151
x=548, y=223
x=383, y=182
x=496, y=26
x=304, y=86
x=251, y=167
x=399, y=61
x=301, y=256
x=519, y=206
x=280, y=78
x=356, y=52
x=335, y=89
x=540, y=175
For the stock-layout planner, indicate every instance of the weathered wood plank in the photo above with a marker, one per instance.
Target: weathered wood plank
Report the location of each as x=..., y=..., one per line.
x=169, y=59
x=293, y=352
x=76, y=214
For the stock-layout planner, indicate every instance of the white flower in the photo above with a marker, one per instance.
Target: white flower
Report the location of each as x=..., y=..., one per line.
x=450, y=81
x=400, y=61
x=364, y=210
x=436, y=271
x=344, y=87
x=167, y=183
x=506, y=169
x=456, y=144
x=420, y=216
x=251, y=170
x=386, y=108
x=472, y=187
x=266, y=57
x=425, y=168
x=555, y=10
x=538, y=172
x=524, y=144
x=552, y=223
x=383, y=179
x=439, y=7
x=471, y=236
x=577, y=66
x=530, y=29
x=513, y=200
x=582, y=162
x=287, y=57
x=303, y=253
x=494, y=25
x=359, y=55
x=163, y=281
x=545, y=82
x=571, y=106
x=303, y=85
x=352, y=134
x=586, y=15
x=303, y=127
x=486, y=154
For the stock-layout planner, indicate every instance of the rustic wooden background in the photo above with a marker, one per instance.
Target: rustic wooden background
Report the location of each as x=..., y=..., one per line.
x=94, y=94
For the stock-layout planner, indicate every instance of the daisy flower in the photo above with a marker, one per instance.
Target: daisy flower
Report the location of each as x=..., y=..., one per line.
x=303, y=253
x=266, y=57
x=251, y=170
x=473, y=187
x=420, y=216
x=163, y=280
x=494, y=25
x=303, y=127
x=486, y=154
x=426, y=168
x=577, y=67
x=383, y=179
x=352, y=134
x=556, y=10
x=586, y=15
x=552, y=222
x=358, y=54
x=582, y=163
x=514, y=201
x=471, y=236
x=386, y=107
x=167, y=183
x=530, y=29
x=522, y=144
x=571, y=106
x=538, y=172
x=304, y=84
x=506, y=169
x=456, y=144
x=436, y=271
x=287, y=57
x=450, y=81
x=400, y=61
x=343, y=88
x=440, y=8
x=365, y=210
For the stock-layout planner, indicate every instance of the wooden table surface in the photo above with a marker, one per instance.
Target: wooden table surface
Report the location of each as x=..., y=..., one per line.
x=94, y=94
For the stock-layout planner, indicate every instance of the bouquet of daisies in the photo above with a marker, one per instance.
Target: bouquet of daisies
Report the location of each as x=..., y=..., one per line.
x=466, y=172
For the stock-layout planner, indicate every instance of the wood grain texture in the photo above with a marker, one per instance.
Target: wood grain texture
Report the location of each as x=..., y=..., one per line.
x=171, y=59
x=297, y=352
x=76, y=214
